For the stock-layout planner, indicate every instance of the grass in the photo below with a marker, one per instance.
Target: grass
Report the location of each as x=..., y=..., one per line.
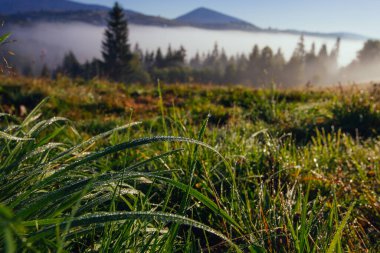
x=212, y=169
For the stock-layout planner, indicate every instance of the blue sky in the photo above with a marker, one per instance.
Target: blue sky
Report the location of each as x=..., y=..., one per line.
x=357, y=16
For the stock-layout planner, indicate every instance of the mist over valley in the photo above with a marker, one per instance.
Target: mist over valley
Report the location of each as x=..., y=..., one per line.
x=49, y=42
x=46, y=31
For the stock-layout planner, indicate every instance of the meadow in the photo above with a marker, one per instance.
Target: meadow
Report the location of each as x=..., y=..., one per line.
x=95, y=166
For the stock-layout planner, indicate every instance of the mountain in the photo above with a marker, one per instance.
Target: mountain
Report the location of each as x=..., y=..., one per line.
x=29, y=11
x=342, y=35
x=207, y=18
x=98, y=18
x=8, y=7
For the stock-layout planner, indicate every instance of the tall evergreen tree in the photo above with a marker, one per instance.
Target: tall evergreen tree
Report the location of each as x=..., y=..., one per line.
x=323, y=61
x=370, y=53
x=195, y=62
x=159, y=59
x=179, y=56
x=70, y=66
x=295, y=67
x=311, y=66
x=137, y=51
x=253, y=70
x=266, y=66
x=45, y=72
x=116, y=49
x=278, y=66
x=149, y=61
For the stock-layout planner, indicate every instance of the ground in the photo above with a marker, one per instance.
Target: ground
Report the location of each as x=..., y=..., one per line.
x=279, y=170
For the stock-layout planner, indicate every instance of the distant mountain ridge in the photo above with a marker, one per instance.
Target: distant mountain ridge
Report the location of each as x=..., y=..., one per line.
x=98, y=18
x=29, y=11
x=8, y=7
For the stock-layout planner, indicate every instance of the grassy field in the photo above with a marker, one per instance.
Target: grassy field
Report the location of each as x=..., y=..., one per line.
x=185, y=168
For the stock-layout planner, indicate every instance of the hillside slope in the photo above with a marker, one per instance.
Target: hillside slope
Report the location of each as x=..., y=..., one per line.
x=20, y=6
x=207, y=18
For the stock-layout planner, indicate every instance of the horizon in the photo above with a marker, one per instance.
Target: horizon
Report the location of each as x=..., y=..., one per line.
x=287, y=15
x=56, y=36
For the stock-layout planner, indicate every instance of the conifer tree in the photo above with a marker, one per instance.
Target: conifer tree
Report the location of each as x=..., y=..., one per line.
x=45, y=72
x=253, y=70
x=278, y=66
x=334, y=57
x=311, y=66
x=195, y=62
x=116, y=52
x=178, y=58
x=70, y=66
x=266, y=65
x=159, y=59
x=296, y=65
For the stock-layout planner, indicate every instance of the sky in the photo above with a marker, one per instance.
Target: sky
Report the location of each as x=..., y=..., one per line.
x=356, y=16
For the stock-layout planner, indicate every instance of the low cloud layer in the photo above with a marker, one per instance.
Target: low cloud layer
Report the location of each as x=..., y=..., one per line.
x=48, y=43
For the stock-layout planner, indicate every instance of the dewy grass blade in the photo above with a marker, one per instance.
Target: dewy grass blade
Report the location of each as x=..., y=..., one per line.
x=161, y=105
x=96, y=182
x=97, y=218
x=64, y=154
x=339, y=231
x=42, y=125
x=93, y=140
x=185, y=200
x=4, y=37
x=32, y=115
x=205, y=200
x=10, y=137
x=155, y=158
x=126, y=145
x=33, y=206
x=9, y=116
x=33, y=153
x=50, y=179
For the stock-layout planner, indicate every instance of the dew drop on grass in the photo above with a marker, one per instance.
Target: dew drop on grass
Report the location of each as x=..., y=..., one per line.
x=316, y=162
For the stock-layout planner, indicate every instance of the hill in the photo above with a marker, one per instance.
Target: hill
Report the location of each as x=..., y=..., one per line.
x=90, y=17
x=26, y=12
x=207, y=18
x=8, y=7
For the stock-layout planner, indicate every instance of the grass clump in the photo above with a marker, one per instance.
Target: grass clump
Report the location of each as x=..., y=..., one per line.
x=60, y=193
x=279, y=174
x=357, y=114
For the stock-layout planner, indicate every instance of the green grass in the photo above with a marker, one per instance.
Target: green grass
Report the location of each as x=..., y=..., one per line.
x=212, y=169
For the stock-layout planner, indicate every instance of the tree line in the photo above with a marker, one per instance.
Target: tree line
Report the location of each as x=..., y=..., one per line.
x=262, y=66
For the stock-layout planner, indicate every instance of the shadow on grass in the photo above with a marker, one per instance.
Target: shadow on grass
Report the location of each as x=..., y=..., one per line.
x=357, y=116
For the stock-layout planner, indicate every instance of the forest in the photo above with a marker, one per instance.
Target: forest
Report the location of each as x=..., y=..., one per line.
x=258, y=69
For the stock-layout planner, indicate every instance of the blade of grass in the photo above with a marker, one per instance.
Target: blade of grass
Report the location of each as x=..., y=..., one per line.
x=97, y=218
x=205, y=200
x=338, y=235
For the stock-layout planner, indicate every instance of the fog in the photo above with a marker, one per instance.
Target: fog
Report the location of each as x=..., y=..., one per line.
x=49, y=42
x=234, y=42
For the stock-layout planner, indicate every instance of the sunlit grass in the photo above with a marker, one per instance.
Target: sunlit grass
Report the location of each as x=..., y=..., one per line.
x=279, y=174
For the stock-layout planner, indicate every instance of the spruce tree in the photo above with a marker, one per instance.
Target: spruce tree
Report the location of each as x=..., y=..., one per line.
x=116, y=52
x=70, y=66
x=45, y=72
x=159, y=59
